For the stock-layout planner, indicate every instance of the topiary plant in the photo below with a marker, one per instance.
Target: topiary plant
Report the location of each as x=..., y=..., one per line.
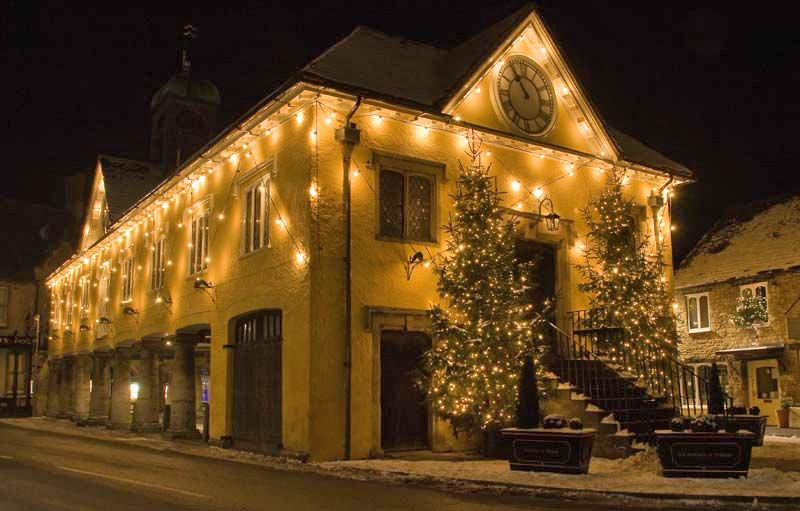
x=528, y=401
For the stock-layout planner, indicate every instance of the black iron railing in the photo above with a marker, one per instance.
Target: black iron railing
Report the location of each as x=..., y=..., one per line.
x=595, y=337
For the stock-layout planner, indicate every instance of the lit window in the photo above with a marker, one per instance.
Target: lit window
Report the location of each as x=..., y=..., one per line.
x=157, y=267
x=68, y=302
x=406, y=205
x=698, y=313
x=4, y=294
x=127, y=279
x=756, y=290
x=198, y=237
x=255, y=216
x=84, y=304
x=102, y=295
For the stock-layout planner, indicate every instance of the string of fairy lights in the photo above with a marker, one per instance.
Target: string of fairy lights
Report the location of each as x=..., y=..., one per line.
x=150, y=218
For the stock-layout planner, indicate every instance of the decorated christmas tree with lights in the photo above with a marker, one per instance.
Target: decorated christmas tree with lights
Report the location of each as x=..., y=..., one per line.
x=623, y=273
x=487, y=324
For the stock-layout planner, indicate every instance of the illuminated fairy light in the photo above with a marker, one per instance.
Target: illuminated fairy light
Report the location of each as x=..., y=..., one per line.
x=299, y=117
x=515, y=185
x=538, y=192
x=312, y=191
x=300, y=256
x=356, y=172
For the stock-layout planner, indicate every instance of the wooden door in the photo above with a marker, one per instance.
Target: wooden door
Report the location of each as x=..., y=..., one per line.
x=404, y=411
x=762, y=379
x=257, y=416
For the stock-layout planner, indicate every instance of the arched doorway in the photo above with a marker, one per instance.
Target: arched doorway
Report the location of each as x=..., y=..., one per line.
x=257, y=385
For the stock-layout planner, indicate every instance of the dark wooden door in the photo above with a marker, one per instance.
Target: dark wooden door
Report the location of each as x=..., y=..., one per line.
x=543, y=255
x=257, y=373
x=404, y=412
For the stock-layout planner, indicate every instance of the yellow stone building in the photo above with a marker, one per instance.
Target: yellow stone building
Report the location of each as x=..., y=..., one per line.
x=244, y=248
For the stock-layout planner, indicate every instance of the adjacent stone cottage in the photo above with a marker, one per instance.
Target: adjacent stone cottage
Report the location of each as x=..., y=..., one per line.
x=752, y=251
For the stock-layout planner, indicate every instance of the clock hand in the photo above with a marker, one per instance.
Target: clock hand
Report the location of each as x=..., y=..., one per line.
x=522, y=86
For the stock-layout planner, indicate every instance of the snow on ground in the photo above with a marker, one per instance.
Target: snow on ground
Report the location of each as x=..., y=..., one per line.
x=782, y=439
x=636, y=474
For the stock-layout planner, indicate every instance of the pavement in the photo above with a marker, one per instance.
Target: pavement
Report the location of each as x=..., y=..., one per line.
x=53, y=464
x=54, y=472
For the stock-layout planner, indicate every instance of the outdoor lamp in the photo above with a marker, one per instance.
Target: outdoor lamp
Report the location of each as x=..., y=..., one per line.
x=552, y=219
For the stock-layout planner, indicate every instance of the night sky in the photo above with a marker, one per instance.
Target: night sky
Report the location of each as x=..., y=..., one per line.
x=714, y=88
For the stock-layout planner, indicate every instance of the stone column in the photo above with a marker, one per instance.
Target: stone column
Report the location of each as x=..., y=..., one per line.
x=83, y=374
x=120, y=413
x=145, y=409
x=53, y=377
x=183, y=418
x=65, y=387
x=101, y=386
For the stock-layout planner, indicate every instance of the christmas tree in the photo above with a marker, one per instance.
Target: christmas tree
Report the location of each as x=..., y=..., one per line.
x=487, y=324
x=623, y=275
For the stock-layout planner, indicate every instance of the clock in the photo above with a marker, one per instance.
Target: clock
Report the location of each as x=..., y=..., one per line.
x=524, y=95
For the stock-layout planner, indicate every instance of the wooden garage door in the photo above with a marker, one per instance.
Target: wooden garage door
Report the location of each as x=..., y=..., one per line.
x=257, y=381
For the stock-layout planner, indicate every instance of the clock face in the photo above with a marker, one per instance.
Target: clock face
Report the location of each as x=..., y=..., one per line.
x=525, y=96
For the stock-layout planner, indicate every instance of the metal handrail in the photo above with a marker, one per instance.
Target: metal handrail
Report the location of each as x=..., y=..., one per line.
x=650, y=364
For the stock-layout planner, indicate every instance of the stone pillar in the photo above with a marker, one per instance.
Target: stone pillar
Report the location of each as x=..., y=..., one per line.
x=83, y=374
x=65, y=387
x=101, y=386
x=183, y=418
x=53, y=376
x=145, y=409
x=120, y=412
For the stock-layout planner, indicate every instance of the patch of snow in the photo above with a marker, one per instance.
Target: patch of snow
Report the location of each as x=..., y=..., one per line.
x=565, y=386
x=578, y=397
x=782, y=439
x=609, y=419
x=593, y=408
x=549, y=375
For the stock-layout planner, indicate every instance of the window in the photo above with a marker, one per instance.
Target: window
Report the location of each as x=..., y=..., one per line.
x=157, y=267
x=756, y=290
x=70, y=292
x=263, y=326
x=127, y=279
x=255, y=215
x=406, y=205
x=198, y=237
x=767, y=382
x=4, y=295
x=84, y=303
x=102, y=292
x=698, y=313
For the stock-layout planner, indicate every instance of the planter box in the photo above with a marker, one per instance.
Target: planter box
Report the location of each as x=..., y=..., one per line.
x=563, y=450
x=689, y=454
x=756, y=424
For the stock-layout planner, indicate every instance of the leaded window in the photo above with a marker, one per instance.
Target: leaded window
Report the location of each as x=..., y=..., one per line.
x=255, y=216
x=262, y=326
x=157, y=264
x=198, y=237
x=406, y=205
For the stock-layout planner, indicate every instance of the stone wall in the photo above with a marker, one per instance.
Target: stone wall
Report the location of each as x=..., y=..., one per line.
x=783, y=289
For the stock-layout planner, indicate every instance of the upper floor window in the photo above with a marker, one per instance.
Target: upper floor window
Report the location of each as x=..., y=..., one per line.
x=698, y=312
x=198, y=236
x=69, y=305
x=255, y=215
x=127, y=279
x=5, y=293
x=157, y=266
x=84, y=303
x=102, y=292
x=406, y=201
x=758, y=291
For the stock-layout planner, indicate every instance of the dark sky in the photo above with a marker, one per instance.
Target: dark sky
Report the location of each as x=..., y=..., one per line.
x=713, y=87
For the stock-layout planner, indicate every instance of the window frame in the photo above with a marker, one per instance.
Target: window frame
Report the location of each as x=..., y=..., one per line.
x=83, y=307
x=247, y=186
x=408, y=167
x=4, y=307
x=127, y=276
x=157, y=263
x=753, y=286
x=200, y=210
x=103, y=291
x=700, y=328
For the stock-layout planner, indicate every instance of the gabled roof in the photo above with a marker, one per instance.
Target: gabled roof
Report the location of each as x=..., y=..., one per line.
x=126, y=181
x=754, y=238
x=416, y=74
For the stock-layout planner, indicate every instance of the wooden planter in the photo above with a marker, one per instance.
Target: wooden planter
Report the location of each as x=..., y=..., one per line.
x=689, y=454
x=783, y=417
x=756, y=424
x=563, y=450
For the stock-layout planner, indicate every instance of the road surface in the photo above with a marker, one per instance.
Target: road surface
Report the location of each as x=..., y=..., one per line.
x=45, y=471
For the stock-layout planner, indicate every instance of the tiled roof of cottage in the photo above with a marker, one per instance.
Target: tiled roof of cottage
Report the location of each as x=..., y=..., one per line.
x=750, y=239
x=126, y=182
x=417, y=74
